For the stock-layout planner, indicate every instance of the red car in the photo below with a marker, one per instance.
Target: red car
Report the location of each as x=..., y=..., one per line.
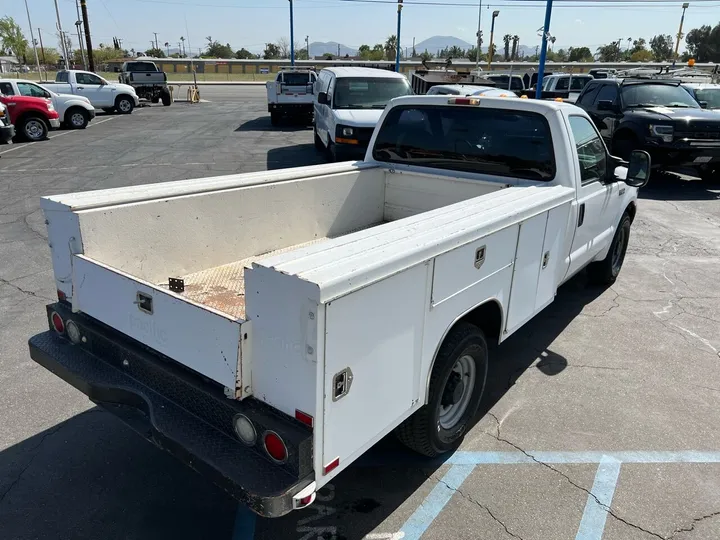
x=33, y=117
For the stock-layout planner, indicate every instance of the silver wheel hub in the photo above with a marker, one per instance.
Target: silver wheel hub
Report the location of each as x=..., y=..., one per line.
x=124, y=105
x=457, y=392
x=34, y=129
x=77, y=119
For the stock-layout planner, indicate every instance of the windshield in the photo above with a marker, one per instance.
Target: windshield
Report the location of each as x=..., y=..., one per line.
x=360, y=93
x=296, y=79
x=516, y=83
x=471, y=139
x=711, y=95
x=652, y=95
x=140, y=66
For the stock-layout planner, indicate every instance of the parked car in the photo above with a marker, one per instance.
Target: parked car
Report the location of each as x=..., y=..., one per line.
x=291, y=94
x=468, y=90
x=7, y=130
x=75, y=111
x=148, y=81
x=349, y=101
x=33, y=117
x=707, y=95
x=313, y=311
x=102, y=95
x=566, y=86
x=656, y=115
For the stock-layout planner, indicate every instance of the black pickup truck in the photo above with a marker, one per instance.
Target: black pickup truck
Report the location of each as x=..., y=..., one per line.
x=658, y=116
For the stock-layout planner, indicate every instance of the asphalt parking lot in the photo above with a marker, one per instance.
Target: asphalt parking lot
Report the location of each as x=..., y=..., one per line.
x=600, y=421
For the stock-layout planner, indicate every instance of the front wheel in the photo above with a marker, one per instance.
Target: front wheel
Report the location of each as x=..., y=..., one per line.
x=605, y=272
x=77, y=118
x=124, y=105
x=34, y=128
x=457, y=383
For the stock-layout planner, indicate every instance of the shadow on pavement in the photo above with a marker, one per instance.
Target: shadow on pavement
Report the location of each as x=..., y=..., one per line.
x=298, y=155
x=262, y=123
x=91, y=477
x=671, y=187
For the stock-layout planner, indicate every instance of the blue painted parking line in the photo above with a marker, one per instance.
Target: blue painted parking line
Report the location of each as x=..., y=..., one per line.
x=417, y=524
x=592, y=524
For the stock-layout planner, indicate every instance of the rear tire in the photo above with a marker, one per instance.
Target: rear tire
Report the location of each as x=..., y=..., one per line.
x=166, y=98
x=274, y=118
x=124, y=104
x=624, y=144
x=33, y=129
x=77, y=118
x=155, y=99
x=710, y=175
x=457, y=383
x=108, y=110
x=605, y=272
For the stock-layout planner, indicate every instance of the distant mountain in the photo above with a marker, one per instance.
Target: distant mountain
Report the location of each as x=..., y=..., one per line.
x=437, y=43
x=319, y=48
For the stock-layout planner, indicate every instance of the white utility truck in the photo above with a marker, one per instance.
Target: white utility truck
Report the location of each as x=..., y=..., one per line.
x=291, y=94
x=268, y=328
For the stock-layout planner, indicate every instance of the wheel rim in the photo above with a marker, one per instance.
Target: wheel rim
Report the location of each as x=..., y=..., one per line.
x=617, y=255
x=124, y=105
x=77, y=119
x=34, y=129
x=457, y=392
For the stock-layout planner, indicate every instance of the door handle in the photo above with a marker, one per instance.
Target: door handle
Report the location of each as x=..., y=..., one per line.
x=581, y=215
x=81, y=88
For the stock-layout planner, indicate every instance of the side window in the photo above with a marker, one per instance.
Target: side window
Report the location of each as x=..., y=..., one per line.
x=578, y=83
x=589, y=95
x=608, y=92
x=31, y=90
x=6, y=89
x=563, y=83
x=590, y=148
x=62, y=77
x=87, y=78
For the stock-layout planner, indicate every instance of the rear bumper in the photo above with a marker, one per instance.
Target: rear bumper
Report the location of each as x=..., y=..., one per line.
x=291, y=108
x=180, y=415
x=7, y=133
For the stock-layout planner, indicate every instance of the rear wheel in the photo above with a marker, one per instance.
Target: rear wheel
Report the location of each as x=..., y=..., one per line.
x=274, y=118
x=710, y=174
x=166, y=98
x=33, y=128
x=624, y=144
x=77, y=118
x=124, y=105
x=457, y=383
x=605, y=272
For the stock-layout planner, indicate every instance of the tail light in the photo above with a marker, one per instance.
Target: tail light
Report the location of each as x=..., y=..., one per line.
x=57, y=322
x=275, y=447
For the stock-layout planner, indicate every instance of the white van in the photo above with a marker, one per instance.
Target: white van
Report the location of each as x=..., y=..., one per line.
x=348, y=104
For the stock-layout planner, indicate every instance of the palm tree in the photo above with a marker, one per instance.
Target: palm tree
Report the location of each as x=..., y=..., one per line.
x=552, y=41
x=515, y=43
x=506, y=39
x=182, y=40
x=456, y=52
x=391, y=45
x=629, y=40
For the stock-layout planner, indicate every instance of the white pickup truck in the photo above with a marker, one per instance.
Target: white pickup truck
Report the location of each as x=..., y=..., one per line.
x=268, y=328
x=102, y=94
x=291, y=94
x=75, y=111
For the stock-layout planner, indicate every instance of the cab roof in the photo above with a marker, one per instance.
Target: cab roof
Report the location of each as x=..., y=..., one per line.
x=343, y=72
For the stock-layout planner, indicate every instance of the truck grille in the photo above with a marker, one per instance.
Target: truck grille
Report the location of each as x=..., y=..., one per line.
x=713, y=135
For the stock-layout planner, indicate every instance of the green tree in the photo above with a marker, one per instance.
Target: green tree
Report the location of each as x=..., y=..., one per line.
x=217, y=50
x=661, y=47
x=638, y=45
x=514, y=51
x=703, y=44
x=456, y=52
x=244, y=54
x=391, y=46
x=364, y=52
x=378, y=52
x=271, y=52
x=12, y=39
x=327, y=56
x=609, y=52
x=51, y=55
x=155, y=53
x=425, y=56
x=301, y=54
x=506, y=40
x=642, y=56
x=471, y=54
x=579, y=54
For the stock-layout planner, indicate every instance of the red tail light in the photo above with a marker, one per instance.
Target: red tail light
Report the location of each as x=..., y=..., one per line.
x=306, y=500
x=275, y=446
x=57, y=322
x=61, y=295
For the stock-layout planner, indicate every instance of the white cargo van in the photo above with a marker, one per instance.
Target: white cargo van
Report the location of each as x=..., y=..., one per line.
x=348, y=104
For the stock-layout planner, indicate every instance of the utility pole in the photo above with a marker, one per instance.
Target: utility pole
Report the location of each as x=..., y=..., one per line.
x=397, y=44
x=78, y=24
x=338, y=54
x=37, y=60
x=167, y=47
x=156, y=41
x=479, y=36
x=307, y=46
x=42, y=49
x=292, y=36
x=88, y=41
x=679, y=34
x=491, y=51
x=62, y=36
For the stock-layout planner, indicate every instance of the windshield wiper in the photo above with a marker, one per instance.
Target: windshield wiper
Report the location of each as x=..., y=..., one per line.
x=643, y=105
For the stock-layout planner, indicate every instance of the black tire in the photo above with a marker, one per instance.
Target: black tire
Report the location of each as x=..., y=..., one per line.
x=274, y=118
x=319, y=146
x=332, y=151
x=623, y=145
x=108, y=110
x=76, y=118
x=710, y=175
x=423, y=431
x=33, y=128
x=166, y=98
x=124, y=104
x=605, y=272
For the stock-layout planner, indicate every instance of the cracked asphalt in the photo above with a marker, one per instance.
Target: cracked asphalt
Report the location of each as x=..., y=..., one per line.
x=629, y=368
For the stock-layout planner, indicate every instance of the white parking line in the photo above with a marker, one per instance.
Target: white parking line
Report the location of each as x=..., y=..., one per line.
x=91, y=124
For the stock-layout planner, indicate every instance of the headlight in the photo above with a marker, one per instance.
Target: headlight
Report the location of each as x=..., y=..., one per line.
x=665, y=132
x=50, y=107
x=347, y=131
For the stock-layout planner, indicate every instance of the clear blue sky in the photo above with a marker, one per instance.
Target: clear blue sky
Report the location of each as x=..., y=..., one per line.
x=251, y=23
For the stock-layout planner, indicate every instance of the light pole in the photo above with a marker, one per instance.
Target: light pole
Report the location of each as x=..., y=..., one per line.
x=78, y=25
x=292, y=36
x=32, y=37
x=679, y=34
x=62, y=36
x=543, y=50
x=397, y=45
x=479, y=36
x=492, y=32
x=307, y=46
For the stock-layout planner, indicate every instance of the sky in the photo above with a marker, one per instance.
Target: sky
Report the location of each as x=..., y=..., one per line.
x=252, y=23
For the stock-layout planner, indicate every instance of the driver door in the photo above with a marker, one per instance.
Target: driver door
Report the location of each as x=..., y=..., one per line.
x=92, y=87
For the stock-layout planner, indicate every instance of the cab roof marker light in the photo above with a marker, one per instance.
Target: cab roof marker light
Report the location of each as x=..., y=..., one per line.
x=463, y=101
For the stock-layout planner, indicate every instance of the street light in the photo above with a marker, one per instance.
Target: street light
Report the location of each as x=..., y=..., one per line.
x=492, y=32
x=479, y=37
x=292, y=36
x=397, y=44
x=680, y=34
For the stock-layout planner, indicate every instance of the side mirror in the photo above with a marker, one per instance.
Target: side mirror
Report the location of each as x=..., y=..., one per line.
x=605, y=105
x=323, y=98
x=102, y=83
x=703, y=104
x=638, y=171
